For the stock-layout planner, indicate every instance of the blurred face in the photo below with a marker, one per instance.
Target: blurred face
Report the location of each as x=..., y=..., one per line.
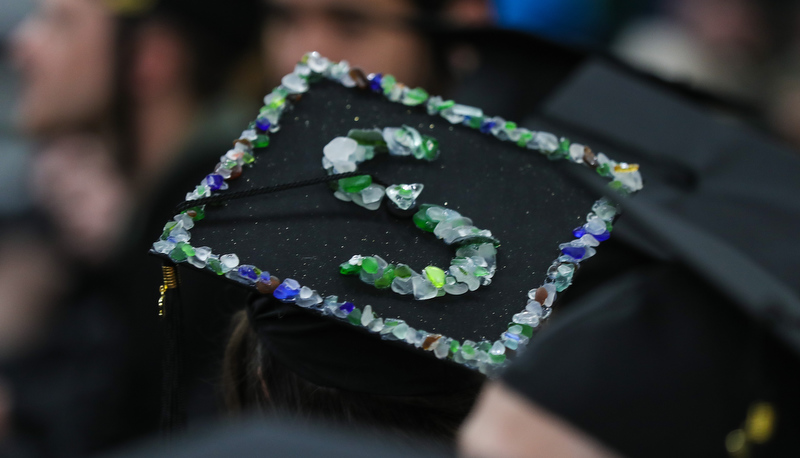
x=65, y=55
x=371, y=34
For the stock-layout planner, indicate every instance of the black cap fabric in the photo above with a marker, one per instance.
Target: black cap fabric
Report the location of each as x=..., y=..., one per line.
x=514, y=188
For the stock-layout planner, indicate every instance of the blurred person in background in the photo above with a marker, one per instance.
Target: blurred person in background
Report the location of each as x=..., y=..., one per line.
x=390, y=36
x=130, y=101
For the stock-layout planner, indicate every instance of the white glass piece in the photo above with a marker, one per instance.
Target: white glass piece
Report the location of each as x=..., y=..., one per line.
x=367, y=316
x=423, y=289
x=497, y=348
x=163, y=246
x=576, y=152
x=229, y=260
x=294, y=83
x=402, y=285
x=404, y=195
x=372, y=194
x=316, y=62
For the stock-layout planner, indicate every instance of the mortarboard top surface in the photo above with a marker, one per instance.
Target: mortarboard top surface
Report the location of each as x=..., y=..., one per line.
x=516, y=192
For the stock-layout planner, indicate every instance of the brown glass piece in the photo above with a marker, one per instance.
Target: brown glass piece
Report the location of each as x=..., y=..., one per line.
x=294, y=97
x=236, y=172
x=589, y=157
x=191, y=214
x=243, y=141
x=268, y=287
x=541, y=295
x=430, y=340
x=359, y=77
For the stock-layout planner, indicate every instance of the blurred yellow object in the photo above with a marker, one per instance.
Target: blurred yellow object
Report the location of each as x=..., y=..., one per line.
x=760, y=422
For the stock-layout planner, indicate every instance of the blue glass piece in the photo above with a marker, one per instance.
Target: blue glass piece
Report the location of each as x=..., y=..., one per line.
x=284, y=292
x=263, y=124
x=577, y=252
x=487, y=126
x=602, y=237
x=511, y=336
x=248, y=272
x=265, y=275
x=347, y=307
x=579, y=232
x=215, y=181
x=375, y=83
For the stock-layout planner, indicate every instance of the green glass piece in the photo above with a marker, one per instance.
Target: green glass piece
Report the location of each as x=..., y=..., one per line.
x=446, y=104
x=561, y=283
x=454, y=346
x=563, y=145
x=485, y=346
x=178, y=254
x=510, y=125
x=277, y=102
x=435, y=275
x=354, y=317
x=422, y=220
x=355, y=184
x=609, y=226
x=403, y=271
x=200, y=189
x=230, y=164
x=346, y=268
x=280, y=91
x=188, y=249
x=369, y=264
x=262, y=141
x=248, y=158
x=198, y=213
x=388, y=83
x=615, y=185
x=415, y=97
x=475, y=122
x=390, y=323
x=527, y=330
x=430, y=147
x=497, y=359
x=468, y=349
x=481, y=272
x=215, y=266
x=168, y=229
x=386, y=280
x=524, y=138
x=604, y=169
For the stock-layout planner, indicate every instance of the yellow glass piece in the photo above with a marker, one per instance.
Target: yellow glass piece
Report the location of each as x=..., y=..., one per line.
x=760, y=422
x=626, y=168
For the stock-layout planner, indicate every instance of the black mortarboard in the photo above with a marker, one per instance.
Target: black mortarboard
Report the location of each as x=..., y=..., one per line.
x=505, y=231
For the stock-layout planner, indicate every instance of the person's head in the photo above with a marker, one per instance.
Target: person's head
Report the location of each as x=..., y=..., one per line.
x=253, y=379
x=65, y=52
x=377, y=35
x=81, y=59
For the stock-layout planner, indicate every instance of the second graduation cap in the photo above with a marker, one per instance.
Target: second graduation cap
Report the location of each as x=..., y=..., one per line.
x=398, y=241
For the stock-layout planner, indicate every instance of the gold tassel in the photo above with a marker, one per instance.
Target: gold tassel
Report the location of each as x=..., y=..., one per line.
x=170, y=282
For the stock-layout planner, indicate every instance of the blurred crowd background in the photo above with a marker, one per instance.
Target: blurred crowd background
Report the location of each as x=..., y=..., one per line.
x=70, y=191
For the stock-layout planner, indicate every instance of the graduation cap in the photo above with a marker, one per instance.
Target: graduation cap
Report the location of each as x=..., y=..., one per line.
x=399, y=243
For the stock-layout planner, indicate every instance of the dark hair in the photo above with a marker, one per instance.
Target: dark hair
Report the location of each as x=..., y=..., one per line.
x=253, y=380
